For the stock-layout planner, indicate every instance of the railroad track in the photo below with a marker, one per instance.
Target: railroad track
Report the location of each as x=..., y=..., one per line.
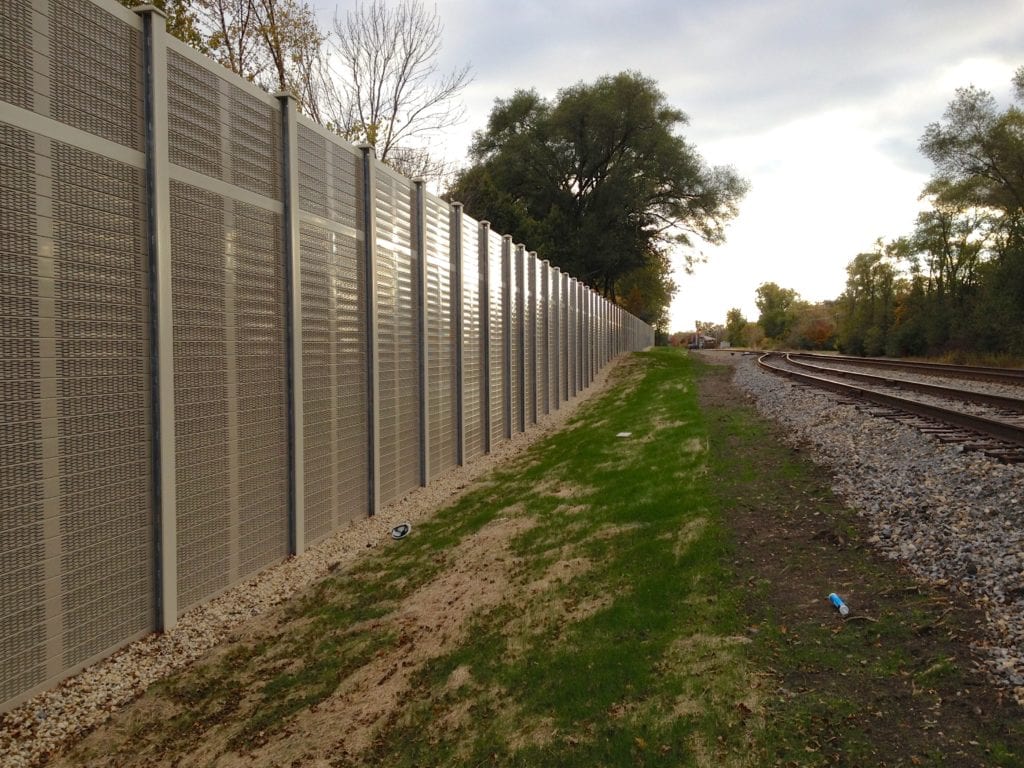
x=999, y=434
x=970, y=372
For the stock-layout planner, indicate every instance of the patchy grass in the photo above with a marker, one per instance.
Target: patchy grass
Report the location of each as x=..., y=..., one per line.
x=894, y=684
x=650, y=600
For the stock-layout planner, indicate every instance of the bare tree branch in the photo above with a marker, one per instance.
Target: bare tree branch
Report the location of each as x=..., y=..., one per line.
x=393, y=87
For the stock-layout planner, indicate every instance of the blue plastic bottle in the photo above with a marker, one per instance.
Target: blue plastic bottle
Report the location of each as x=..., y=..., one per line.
x=837, y=601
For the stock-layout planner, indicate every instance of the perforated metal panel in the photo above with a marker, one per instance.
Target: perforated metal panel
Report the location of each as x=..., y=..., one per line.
x=543, y=378
x=103, y=401
x=554, y=295
x=572, y=333
x=75, y=473
x=334, y=353
x=531, y=346
x=584, y=336
x=194, y=116
x=94, y=66
x=495, y=308
x=516, y=340
x=253, y=143
x=564, y=338
x=473, y=395
x=330, y=184
x=16, y=54
x=23, y=491
x=397, y=337
x=441, y=339
x=334, y=381
x=230, y=400
x=220, y=129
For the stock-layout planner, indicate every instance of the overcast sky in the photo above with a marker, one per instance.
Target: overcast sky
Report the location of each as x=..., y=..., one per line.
x=820, y=105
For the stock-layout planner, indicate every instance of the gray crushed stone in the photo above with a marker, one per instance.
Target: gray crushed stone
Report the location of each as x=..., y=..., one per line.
x=953, y=517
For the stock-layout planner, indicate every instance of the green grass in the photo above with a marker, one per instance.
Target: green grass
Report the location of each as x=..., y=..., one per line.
x=632, y=629
x=602, y=690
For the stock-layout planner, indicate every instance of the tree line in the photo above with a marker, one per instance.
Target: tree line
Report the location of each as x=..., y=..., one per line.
x=599, y=179
x=373, y=76
x=953, y=284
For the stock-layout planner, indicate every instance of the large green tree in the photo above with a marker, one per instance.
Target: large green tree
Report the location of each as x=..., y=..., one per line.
x=978, y=153
x=735, y=325
x=599, y=180
x=775, y=304
x=868, y=305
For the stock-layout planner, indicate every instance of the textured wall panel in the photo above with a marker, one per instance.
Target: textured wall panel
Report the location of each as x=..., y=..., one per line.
x=95, y=71
x=530, y=339
x=397, y=338
x=585, y=341
x=203, y=433
x=253, y=142
x=334, y=347
x=564, y=338
x=515, y=320
x=23, y=509
x=260, y=392
x=473, y=397
x=554, y=295
x=573, y=346
x=543, y=377
x=497, y=340
x=442, y=406
x=230, y=403
x=16, y=54
x=334, y=368
x=75, y=472
x=222, y=130
x=102, y=332
x=329, y=179
x=194, y=116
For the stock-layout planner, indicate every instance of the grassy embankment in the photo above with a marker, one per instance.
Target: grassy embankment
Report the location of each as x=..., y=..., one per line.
x=658, y=599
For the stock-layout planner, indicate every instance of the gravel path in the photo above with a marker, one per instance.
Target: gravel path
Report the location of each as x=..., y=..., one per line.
x=953, y=517
x=32, y=732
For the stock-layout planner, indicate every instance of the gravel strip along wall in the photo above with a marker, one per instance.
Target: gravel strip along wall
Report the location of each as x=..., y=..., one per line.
x=39, y=727
x=953, y=517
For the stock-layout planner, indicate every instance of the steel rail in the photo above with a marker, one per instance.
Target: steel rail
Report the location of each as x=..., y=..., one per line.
x=982, y=398
x=1009, y=433
x=975, y=372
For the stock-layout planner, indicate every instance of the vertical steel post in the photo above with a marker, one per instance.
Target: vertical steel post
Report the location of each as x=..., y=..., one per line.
x=483, y=248
x=158, y=198
x=372, y=351
x=533, y=311
x=293, y=329
x=506, y=330
x=555, y=291
x=455, y=239
x=570, y=391
x=419, y=231
x=545, y=303
x=521, y=331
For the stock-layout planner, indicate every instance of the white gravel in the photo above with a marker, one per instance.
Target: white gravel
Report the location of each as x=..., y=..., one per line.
x=953, y=517
x=31, y=733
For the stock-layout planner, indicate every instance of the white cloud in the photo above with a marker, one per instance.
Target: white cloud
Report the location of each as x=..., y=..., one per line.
x=819, y=105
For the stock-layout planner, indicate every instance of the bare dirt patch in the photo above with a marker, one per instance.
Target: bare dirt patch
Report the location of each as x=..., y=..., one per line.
x=686, y=535
x=563, y=490
x=430, y=621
